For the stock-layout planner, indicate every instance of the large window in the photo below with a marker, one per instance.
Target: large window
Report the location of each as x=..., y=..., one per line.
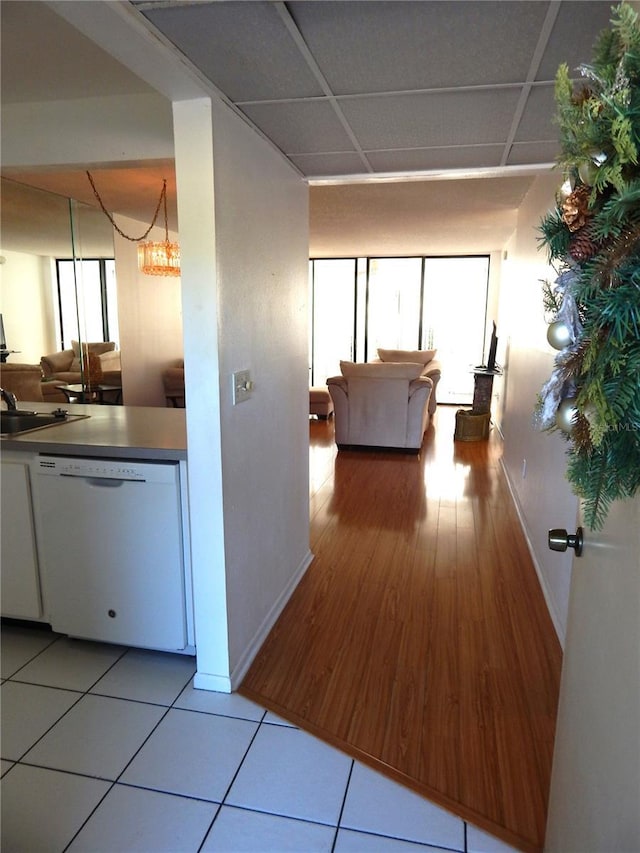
x=361, y=304
x=87, y=301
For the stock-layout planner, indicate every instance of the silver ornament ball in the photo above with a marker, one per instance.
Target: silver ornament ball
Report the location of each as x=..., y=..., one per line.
x=559, y=335
x=566, y=415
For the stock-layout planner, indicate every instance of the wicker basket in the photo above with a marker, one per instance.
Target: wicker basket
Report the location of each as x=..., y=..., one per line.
x=471, y=426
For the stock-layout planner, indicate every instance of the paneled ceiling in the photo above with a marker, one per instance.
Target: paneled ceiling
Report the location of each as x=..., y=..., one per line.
x=347, y=91
x=368, y=88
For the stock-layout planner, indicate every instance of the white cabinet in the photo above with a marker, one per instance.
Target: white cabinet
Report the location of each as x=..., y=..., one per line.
x=21, y=594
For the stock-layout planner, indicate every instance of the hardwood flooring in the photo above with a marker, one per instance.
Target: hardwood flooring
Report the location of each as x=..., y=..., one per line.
x=419, y=641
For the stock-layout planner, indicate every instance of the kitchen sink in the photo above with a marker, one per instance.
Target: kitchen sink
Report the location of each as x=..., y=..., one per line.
x=20, y=420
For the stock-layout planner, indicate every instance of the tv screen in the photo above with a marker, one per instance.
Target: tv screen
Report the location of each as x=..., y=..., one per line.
x=493, y=346
x=3, y=340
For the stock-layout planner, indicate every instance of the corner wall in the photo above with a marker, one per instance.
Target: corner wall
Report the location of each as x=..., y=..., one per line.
x=542, y=492
x=26, y=304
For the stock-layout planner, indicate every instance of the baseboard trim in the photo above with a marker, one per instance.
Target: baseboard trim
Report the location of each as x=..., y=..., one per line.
x=246, y=659
x=557, y=624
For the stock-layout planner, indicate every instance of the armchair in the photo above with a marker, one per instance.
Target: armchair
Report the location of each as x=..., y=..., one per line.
x=23, y=380
x=381, y=404
x=430, y=367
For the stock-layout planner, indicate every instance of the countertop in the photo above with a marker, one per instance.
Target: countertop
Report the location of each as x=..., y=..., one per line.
x=138, y=432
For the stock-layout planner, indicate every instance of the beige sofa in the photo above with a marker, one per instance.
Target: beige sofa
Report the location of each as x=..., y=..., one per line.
x=64, y=366
x=381, y=404
x=173, y=384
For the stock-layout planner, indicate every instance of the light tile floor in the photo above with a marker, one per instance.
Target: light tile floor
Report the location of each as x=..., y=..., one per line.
x=111, y=749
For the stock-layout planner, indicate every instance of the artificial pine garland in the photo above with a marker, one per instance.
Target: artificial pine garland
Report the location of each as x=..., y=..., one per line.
x=593, y=239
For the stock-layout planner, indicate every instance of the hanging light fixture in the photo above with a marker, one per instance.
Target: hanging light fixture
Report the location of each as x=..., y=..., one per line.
x=155, y=257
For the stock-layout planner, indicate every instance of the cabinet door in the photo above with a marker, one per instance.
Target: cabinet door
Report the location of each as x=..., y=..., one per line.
x=20, y=579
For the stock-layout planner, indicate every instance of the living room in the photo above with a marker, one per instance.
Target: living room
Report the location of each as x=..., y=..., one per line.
x=244, y=305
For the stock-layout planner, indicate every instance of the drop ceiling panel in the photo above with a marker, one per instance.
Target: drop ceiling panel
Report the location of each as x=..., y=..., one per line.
x=524, y=153
x=420, y=121
x=243, y=48
x=576, y=29
x=320, y=165
x=537, y=122
x=301, y=127
x=435, y=159
x=395, y=46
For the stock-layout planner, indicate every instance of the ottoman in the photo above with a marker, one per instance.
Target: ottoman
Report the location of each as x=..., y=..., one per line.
x=320, y=402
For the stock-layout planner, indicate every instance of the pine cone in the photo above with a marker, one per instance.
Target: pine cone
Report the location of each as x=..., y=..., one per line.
x=575, y=209
x=582, y=247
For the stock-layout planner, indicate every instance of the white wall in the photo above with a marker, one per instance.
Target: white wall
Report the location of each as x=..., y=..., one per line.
x=149, y=317
x=26, y=305
x=244, y=278
x=543, y=495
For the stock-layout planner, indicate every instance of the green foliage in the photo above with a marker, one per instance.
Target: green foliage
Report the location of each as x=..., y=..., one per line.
x=599, y=128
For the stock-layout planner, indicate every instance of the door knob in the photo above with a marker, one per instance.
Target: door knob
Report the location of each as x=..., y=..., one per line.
x=560, y=540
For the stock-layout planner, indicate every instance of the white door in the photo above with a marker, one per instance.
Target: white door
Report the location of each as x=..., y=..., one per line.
x=595, y=786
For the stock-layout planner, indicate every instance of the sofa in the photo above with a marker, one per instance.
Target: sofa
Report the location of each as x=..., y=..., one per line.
x=64, y=366
x=381, y=404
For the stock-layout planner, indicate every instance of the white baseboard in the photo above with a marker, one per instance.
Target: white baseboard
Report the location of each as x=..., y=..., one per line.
x=557, y=623
x=246, y=659
x=207, y=681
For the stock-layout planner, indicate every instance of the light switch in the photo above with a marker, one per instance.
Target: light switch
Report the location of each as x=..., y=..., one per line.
x=242, y=386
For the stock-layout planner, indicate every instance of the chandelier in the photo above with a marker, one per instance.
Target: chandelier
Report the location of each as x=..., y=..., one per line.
x=155, y=257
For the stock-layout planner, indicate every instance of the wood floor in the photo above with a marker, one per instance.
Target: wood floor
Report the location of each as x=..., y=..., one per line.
x=419, y=641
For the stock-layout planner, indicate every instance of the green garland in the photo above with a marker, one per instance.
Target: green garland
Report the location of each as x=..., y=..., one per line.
x=593, y=238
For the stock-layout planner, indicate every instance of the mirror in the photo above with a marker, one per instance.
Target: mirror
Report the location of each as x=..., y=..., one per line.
x=58, y=276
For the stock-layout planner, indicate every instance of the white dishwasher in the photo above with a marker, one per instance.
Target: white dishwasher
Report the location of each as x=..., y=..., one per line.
x=110, y=544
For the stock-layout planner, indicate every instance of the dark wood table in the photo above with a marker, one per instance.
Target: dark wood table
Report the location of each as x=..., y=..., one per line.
x=96, y=394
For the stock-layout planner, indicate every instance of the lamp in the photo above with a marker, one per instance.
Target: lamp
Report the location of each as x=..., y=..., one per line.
x=155, y=257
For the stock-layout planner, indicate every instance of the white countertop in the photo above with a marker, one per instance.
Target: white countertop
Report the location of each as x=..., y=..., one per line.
x=113, y=431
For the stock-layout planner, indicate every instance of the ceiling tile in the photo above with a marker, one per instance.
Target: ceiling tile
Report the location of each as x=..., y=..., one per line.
x=435, y=159
x=574, y=34
x=317, y=165
x=537, y=122
x=393, y=46
x=422, y=121
x=243, y=48
x=523, y=153
x=301, y=127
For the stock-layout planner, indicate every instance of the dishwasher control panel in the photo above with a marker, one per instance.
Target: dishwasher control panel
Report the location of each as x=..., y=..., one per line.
x=109, y=469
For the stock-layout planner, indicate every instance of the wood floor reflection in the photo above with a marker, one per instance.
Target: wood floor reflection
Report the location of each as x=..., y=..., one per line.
x=419, y=641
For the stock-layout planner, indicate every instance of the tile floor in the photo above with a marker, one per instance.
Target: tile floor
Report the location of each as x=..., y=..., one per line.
x=111, y=749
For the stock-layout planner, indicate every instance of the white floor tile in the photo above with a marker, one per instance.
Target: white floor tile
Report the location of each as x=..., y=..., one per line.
x=481, y=842
x=241, y=831
x=275, y=720
x=98, y=737
x=349, y=841
x=132, y=820
x=225, y=704
x=19, y=645
x=378, y=805
x=28, y=711
x=43, y=809
x=71, y=664
x=192, y=754
x=290, y=773
x=147, y=676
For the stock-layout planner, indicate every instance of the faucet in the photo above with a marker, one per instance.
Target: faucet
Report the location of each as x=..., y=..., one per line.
x=10, y=399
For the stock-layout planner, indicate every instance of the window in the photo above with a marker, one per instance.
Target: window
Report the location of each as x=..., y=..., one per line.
x=360, y=304
x=87, y=301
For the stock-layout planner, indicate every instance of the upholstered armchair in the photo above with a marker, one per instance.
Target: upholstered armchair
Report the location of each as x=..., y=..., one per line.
x=380, y=404
x=23, y=380
x=173, y=383
x=426, y=357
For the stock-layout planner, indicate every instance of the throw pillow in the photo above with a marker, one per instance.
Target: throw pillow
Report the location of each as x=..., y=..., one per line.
x=382, y=370
x=423, y=356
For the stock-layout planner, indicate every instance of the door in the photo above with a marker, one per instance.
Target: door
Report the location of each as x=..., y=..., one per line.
x=595, y=786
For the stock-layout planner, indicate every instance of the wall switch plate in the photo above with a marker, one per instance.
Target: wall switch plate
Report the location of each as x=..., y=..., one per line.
x=242, y=386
